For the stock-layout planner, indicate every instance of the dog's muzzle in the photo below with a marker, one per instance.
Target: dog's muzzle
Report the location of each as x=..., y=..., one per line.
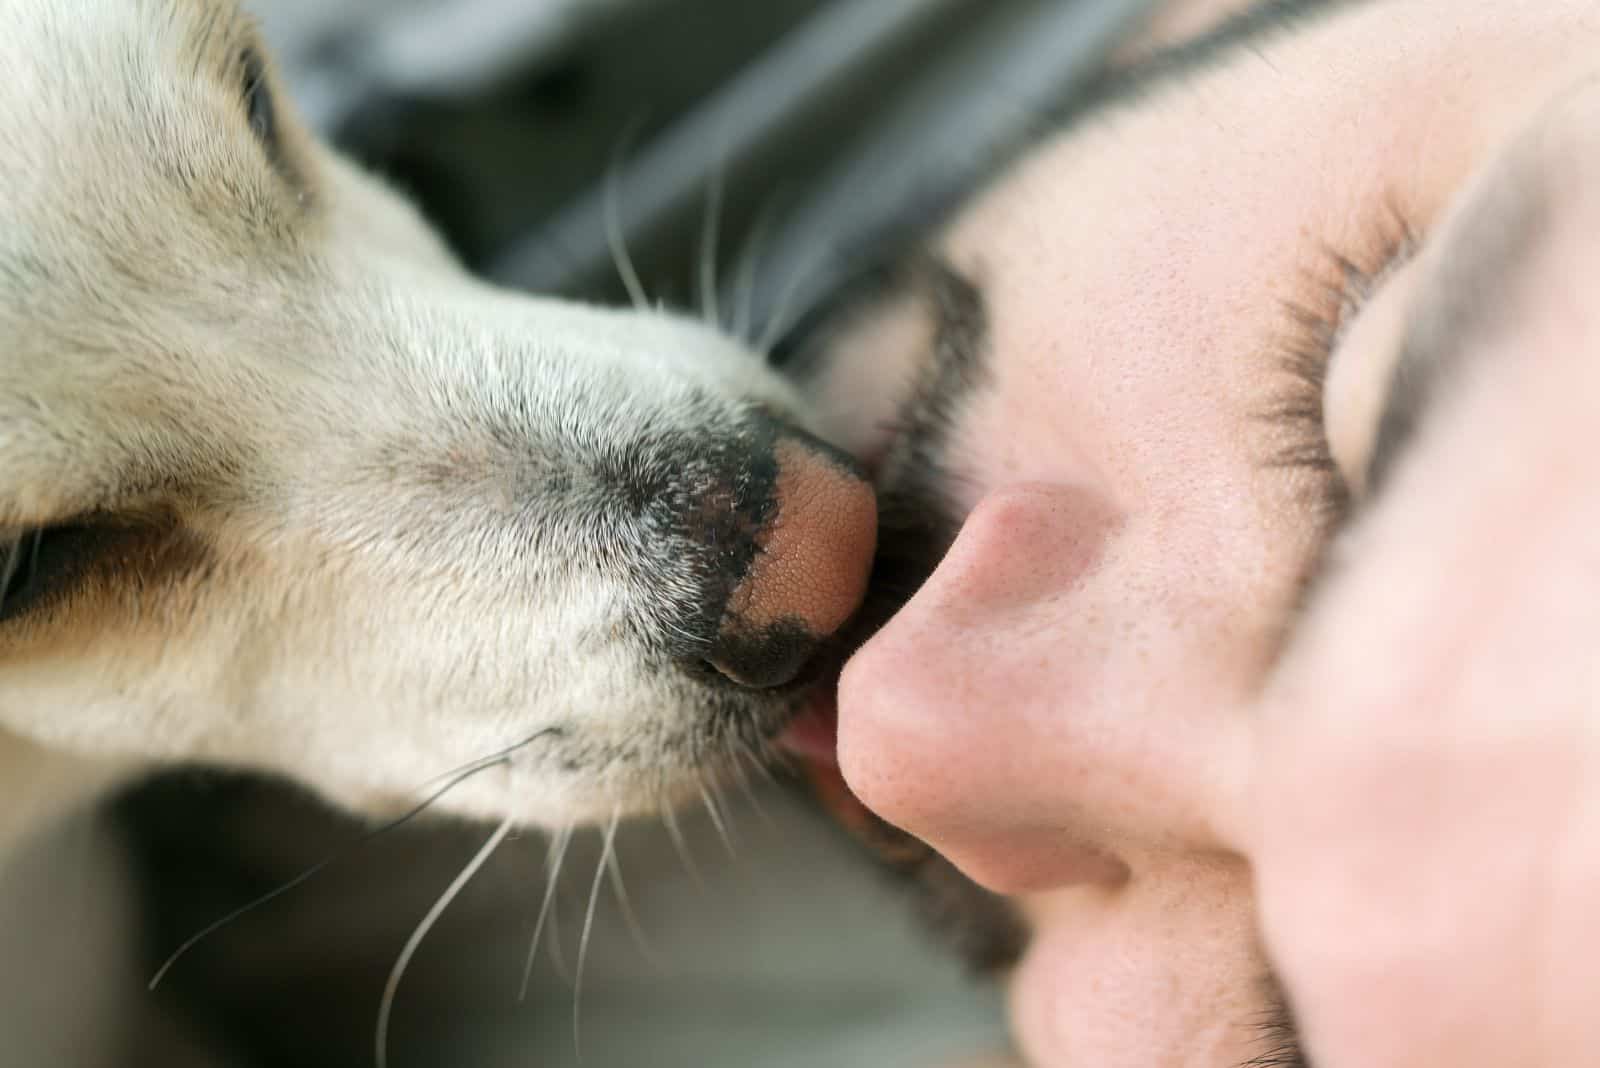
x=807, y=572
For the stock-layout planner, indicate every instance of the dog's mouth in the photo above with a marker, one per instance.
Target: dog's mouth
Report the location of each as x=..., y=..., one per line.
x=813, y=735
x=983, y=928
x=812, y=740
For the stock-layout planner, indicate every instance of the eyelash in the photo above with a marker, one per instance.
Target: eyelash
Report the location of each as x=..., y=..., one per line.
x=1339, y=284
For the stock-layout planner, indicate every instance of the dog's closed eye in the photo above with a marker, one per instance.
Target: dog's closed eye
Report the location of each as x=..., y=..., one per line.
x=41, y=562
x=40, y=565
x=260, y=108
x=19, y=571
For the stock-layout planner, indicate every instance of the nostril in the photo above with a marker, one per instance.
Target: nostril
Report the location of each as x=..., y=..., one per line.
x=810, y=574
x=765, y=659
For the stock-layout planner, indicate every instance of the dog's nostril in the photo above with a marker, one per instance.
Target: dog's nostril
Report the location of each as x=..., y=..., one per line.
x=811, y=573
x=766, y=659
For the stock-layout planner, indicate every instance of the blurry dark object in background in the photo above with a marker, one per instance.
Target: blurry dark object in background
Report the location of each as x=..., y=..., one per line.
x=492, y=155
x=844, y=121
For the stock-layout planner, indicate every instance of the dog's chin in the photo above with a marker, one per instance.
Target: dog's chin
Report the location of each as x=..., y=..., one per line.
x=985, y=929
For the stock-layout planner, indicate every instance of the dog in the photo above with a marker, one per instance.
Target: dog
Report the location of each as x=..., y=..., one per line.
x=283, y=488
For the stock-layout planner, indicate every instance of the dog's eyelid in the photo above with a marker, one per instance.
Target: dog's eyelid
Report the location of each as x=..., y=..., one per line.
x=20, y=553
x=260, y=108
x=252, y=80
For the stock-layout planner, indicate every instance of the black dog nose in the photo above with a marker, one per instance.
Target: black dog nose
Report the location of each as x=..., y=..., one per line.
x=809, y=573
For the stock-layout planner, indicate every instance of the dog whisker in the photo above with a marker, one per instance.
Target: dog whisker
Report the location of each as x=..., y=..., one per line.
x=631, y=918
x=763, y=766
x=455, y=778
x=722, y=802
x=742, y=780
x=616, y=241
x=13, y=561
x=554, y=857
x=709, y=227
x=779, y=321
x=588, y=926
x=33, y=556
x=670, y=820
x=558, y=955
x=716, y=818
x=386, y=1004
x=749, y=258
x=494, y=759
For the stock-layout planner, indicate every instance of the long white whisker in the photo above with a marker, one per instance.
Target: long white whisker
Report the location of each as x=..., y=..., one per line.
x=454, y=779
x=716, y=818
x=759, y=764
x=588, y=926
x=615, y=240
x=558, y=956
x=745, y=272
x=743, y=781
x=721, y=798
x=675, y=832
x=33, y=556
x=386, y=1005
x=779, y=321
x=13, y=560
x=552, y=868
x=709, y=227
x=635, y=928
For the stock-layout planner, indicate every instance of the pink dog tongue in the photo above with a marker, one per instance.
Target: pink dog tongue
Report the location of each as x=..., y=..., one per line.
x=814, y=735
x=814, y=738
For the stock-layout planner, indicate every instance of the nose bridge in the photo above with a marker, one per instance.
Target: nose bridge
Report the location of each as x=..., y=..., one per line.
x=1022, y=544
x=1002, y=597
x=965, y=712
x=1025, y=706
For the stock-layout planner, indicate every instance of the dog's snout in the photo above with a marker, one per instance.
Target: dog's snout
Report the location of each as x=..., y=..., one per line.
x=810, y=573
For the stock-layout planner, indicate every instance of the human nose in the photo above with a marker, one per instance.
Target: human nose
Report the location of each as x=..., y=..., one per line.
x=950, y=717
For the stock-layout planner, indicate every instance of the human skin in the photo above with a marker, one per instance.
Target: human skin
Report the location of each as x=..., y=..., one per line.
x=1106, y=700
x=1424, y=812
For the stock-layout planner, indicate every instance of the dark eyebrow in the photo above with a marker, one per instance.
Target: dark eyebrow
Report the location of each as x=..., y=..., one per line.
x=953, y=302
x=953, y=366
x=1177, y=64
x=957, y=364
x=1464, y=304
x=865, y=260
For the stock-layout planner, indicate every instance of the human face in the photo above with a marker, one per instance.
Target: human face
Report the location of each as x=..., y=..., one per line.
x=1138, y=383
